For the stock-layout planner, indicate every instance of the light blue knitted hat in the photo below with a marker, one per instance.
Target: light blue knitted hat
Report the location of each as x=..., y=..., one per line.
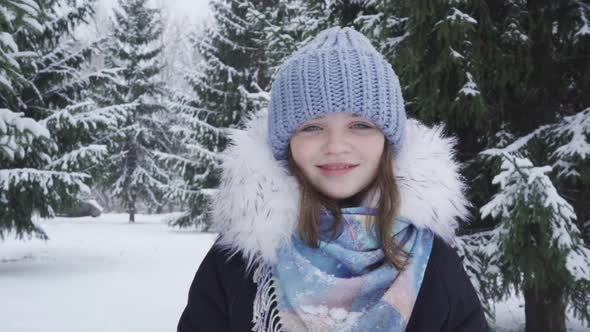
x=338, y=71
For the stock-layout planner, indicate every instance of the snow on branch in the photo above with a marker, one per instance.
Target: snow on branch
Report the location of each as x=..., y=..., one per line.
x=7, y=40
x=584, y=29
x=82, y=115
x=259, y=95
x=18, y=132
x=515, y=32
x=44, y=179
x=470, y=87
x=177, y=161
x=219, y=36
x=225, y=9
x=201, y=151
x=370, y=23
x=393, y=42
x=92, y=154
x=233, y=22
x=517, y=145
x=28, y=6
x=577, y=128
x=568, y=140
x=458, y=15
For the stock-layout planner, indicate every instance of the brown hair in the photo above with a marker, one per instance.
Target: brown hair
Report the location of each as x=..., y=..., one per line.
x=312, y=202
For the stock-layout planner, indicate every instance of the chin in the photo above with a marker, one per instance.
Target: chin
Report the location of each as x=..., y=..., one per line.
x=340, y=195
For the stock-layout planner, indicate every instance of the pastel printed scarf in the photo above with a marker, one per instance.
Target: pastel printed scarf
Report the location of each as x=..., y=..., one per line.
x=345, y=284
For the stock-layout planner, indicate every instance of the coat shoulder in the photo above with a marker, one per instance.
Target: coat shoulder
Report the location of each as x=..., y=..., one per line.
x=221, y=294
x=447, y=300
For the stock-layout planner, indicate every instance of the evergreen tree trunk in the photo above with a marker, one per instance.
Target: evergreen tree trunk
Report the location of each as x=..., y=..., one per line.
x=132, y=213
x=544, y=309
x=131, y=168
x=132, y=202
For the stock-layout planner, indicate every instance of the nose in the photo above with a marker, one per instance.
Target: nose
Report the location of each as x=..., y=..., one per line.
x=335, y=143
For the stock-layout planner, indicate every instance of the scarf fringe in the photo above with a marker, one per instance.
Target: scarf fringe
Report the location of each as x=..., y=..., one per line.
x=265, y=312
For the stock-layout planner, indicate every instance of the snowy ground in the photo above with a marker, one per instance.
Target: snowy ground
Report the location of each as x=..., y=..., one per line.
x=100, y=274
x=104, y=274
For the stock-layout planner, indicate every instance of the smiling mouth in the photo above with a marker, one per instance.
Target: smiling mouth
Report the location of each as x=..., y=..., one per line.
x=335, y=169
x=337, y=166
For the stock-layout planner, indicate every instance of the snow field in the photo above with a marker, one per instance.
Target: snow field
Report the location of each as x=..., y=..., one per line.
x=99, y=274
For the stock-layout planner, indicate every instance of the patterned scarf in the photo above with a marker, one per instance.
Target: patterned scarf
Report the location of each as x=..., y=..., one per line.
x=345, y=284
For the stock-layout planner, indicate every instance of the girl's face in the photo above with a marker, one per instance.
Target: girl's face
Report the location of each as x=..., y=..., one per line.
x=338, y=153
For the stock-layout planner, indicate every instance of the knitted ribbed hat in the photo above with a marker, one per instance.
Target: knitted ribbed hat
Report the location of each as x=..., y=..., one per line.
x=338, y=71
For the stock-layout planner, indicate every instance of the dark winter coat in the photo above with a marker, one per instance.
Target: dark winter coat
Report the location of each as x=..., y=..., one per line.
x=255, y=212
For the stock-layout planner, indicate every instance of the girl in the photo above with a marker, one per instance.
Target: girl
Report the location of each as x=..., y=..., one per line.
x=334, y=212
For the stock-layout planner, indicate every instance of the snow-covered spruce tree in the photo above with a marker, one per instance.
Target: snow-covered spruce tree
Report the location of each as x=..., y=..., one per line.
x=536, y=248
x=64, y=83
x=232, y=67
x=44, y=148
x=133, y=169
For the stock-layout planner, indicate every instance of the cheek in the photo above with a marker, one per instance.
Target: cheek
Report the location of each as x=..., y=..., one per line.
x=300, y=151
x=373, y=148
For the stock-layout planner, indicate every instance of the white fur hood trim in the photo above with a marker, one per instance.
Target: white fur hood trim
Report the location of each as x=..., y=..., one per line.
x=255, y=208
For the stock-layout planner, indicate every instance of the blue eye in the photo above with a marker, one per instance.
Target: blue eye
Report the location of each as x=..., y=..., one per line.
x=311, y=128
x=360, y=125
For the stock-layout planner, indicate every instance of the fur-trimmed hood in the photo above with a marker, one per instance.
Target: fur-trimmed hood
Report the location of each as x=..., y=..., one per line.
x=255, y=208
